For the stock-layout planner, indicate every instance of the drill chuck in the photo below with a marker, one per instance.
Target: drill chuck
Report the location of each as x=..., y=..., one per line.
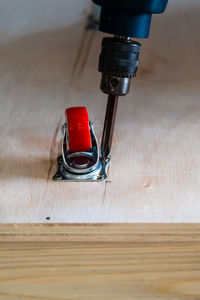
x=118, y=63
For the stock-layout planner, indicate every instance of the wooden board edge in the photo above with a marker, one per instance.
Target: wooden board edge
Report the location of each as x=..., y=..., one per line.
x=136, y=233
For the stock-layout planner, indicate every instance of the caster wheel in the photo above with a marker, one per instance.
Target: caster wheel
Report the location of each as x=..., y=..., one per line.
x=78, y=129
x=80, y=159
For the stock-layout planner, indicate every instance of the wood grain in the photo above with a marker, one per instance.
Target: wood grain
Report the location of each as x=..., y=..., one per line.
x=101, y=232
x=47, y=65
x=76, y=262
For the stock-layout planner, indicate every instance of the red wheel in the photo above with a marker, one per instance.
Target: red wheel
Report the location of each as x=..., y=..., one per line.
x=78, y=129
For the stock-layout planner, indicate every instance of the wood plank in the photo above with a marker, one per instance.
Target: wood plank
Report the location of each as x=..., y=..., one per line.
x=101, y=232
x=149, y=262
x=154, y=173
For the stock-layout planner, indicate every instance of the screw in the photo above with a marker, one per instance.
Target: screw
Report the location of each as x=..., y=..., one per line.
x=57, y=176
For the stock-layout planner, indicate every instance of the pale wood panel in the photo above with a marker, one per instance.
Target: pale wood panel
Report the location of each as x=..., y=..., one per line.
x=154, y=174
x=135, y=261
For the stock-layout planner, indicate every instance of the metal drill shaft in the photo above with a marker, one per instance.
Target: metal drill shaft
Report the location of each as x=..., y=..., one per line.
x=109, y=125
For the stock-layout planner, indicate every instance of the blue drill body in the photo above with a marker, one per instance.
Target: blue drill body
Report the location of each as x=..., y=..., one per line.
x=131, y=18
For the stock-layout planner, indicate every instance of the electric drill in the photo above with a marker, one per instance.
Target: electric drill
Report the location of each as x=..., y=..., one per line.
x=118, y=61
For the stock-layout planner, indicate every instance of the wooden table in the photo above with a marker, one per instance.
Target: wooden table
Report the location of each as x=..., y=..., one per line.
x=47, y=63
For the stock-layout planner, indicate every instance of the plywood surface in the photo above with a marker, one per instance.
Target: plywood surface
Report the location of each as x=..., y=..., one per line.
x=154, y=173
x=77, y=262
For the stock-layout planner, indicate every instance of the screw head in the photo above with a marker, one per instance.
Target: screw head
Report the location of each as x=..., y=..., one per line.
x=57, y=176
